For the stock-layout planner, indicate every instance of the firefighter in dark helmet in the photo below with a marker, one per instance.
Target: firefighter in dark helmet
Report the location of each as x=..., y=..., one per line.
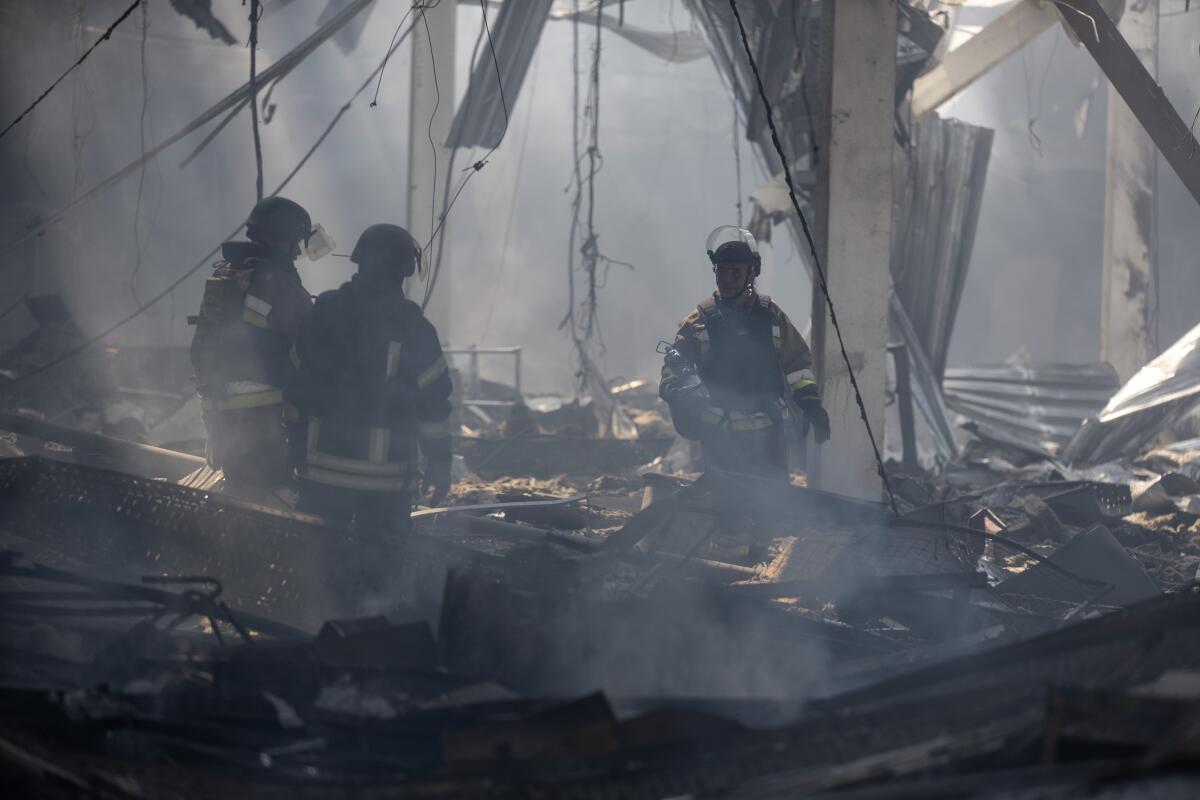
x=242, y=350
x=377, y=392
x=739, y=371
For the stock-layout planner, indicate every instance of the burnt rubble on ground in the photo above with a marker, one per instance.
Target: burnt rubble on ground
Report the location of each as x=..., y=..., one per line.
x=719, y=641
x=1029, y=626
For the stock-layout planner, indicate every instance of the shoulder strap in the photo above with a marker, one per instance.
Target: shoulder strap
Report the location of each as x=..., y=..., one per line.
x=707, y=307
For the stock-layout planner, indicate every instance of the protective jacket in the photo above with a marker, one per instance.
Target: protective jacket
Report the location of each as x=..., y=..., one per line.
x=735, y=366
x=244, y=361
x=376, y=385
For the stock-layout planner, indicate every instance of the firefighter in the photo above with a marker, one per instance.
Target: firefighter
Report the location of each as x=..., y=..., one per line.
x=377, y=392
x=242, y=351
x=739, y=371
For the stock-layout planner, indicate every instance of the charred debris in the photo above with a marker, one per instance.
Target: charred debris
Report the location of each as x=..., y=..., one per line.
x=591, y=613
x=1028, y=626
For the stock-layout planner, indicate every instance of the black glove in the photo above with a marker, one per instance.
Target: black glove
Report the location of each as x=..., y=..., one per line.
x=817, y=418
x=685, y=416
x=435, y=484
x=686, y=395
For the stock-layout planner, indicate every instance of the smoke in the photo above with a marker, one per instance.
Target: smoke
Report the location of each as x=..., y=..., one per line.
x=668, y=179
x=1034, y=284
x=666, y=625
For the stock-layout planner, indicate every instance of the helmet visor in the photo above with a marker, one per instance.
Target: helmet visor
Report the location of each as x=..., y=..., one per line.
x=732, y=245
x=727, y=234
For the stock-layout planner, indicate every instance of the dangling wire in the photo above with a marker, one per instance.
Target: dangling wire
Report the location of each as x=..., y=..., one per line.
x=137, y=209
x=85, y=345
x=737, y=153
x=590, y=249
x=284, y=66
x=433, y=148
x=81, y=98
x=583, y=323
x=104, y=37
x=255, y=14
x=817, y=268
x=391, y=49
x=82, y=107
x=440, y=231
x=576, y=180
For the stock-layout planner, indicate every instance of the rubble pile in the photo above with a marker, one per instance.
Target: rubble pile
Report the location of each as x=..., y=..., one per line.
x=591, y=609
x=546, y=435
x=582, y=621
x=793, y=645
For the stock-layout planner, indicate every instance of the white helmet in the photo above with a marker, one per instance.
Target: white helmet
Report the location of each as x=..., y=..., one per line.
x=730, y=244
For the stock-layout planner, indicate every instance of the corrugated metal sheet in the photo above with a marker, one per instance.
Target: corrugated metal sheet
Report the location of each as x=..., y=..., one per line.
x=1039, y=407
x=939, y=180
x=1160, y=394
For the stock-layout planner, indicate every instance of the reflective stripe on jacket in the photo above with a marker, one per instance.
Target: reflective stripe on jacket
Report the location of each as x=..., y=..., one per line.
x=375, y=384
x=377, y=472
x=250, y=315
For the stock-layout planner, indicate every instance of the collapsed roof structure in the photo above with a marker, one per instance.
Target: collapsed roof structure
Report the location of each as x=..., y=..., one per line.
x=591, y=614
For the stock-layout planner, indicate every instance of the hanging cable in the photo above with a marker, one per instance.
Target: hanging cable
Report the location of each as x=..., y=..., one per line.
x=499, y=83
x=817, y=268
x=586, y=330
x=433, y=148
x=213, y=134
x=137, y=208
x=417, y=5
x=255, y=15
x=439, y=232
x=78, y=61
x=576, y=180
x=737, y=154
x=593, y=258
x=590, y=248
x=437, y=263
x=81, y=98
x=82, y=107
x=276, y=71
x=206, y=259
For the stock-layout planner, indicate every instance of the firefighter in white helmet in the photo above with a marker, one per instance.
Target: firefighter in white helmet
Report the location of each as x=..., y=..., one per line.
x=738, y=370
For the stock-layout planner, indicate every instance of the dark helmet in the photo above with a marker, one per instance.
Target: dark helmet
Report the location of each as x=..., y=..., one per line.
x=729, y=244
x=280, y=219
x=387, y=246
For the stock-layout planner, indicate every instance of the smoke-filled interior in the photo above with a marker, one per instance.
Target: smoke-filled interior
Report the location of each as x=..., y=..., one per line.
x=663, y=398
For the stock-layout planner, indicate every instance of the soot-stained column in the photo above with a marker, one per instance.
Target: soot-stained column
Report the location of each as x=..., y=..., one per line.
x=854, y=233
x=1125, y=311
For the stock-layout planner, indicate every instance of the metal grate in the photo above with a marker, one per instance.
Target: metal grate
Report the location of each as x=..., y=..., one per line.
x=287, y=565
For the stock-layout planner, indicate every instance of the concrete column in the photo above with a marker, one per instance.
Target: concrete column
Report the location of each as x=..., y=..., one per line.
x=854, y=228
x=1125, y=337
x=427, y=185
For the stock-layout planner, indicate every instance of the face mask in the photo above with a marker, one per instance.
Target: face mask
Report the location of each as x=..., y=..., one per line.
x=319, y=244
